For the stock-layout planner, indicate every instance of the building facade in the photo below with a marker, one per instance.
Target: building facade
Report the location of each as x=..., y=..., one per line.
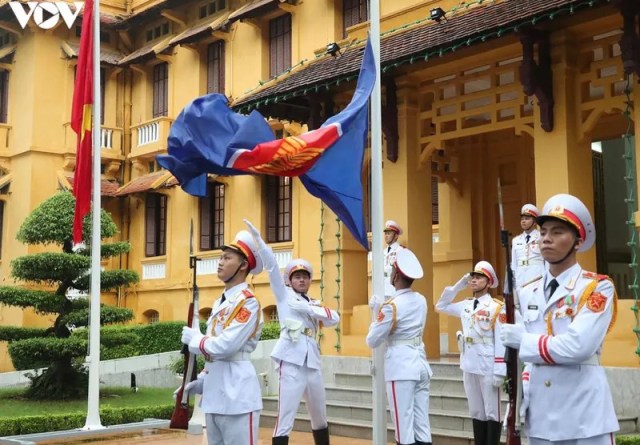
x=534, y=93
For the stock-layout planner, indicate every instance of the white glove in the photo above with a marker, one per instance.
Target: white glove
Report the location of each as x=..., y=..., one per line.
x=462, y=283
x=524, y=404
x=498, y=381
x=194, y=387
x=511, y=335
x=460, y=340
x=375, y=301
x=302, y=307
x=188, y=333
x=256, y=234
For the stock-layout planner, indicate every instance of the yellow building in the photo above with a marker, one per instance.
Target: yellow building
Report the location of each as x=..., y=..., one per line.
x=522, y=90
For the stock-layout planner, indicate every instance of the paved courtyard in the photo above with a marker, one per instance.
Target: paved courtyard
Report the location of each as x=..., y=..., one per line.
x=172, y=437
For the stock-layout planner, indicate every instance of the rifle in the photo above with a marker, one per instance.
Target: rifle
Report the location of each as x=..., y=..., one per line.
x=180, y=415
x=513, y=382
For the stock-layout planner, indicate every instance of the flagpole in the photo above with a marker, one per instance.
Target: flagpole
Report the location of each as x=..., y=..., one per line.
x=379, y=390
x=93, y=403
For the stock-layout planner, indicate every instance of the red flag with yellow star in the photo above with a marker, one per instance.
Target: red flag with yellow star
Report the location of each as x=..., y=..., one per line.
x=81, y=121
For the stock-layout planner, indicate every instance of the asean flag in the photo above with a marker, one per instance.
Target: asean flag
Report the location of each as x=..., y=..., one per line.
x=81, y=115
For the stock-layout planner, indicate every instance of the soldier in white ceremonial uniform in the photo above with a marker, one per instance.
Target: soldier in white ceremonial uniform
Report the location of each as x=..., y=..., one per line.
x=567, y=313
x=296, y=354
x=526, y=260
x=482, y=352
x=231, y=395
x=400, y=324
x=392, y=231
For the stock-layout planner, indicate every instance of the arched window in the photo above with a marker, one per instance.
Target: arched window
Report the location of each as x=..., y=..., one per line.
x=151, y=316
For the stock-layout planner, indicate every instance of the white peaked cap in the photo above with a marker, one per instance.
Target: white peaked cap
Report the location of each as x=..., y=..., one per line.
x=571, y=210
x=245, y=245
x=408, y=264
x=529, y=210
x=296, y=265
x=485, y=268
x=393, y=226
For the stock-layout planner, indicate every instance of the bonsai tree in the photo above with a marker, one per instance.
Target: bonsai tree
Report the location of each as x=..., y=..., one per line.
x=50, y=279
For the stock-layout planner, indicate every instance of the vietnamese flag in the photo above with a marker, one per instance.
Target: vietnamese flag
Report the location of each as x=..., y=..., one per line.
x=81, y=122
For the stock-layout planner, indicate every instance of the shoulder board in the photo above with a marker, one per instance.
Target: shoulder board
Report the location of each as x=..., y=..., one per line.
x=388, y=301
x=595, y=276
x=248, y=294
x=538, y=278
x=498, y=302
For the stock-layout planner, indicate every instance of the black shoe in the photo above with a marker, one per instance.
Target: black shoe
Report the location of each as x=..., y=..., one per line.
x=494, y=429
x=480, y=428
x=321, y=437
x=280, y=440
x=417, y=442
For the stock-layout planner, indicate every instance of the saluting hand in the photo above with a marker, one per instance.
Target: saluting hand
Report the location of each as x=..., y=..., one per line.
x=462, y=283
x=252, y=229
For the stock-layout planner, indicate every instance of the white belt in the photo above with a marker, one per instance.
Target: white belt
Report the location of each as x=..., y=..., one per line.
x=416, y=341
x=477, y=340
x=535, y=262
x=594, y=360
x=237, y=357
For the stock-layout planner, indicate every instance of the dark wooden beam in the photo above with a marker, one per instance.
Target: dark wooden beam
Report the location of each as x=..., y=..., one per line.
x=630, y=41
x=536, y=76
x=390, y=118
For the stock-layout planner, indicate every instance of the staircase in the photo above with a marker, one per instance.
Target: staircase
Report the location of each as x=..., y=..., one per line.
x=349, y=403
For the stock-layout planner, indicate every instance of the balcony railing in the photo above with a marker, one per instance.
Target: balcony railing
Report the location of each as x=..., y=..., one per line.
x=110, y=140
x=150, y=137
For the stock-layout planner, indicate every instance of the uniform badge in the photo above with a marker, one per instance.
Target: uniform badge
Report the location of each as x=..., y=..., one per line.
x=569, y=311
x=532, y=307
x=380, y=316
x=596, y=302
x=502, y=318
x=243, y=315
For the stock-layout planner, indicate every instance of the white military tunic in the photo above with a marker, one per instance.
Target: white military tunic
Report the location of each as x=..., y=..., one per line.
x=400, y=323
x=569, y=394
x=296, y=354
x=231, y=396
x=389, y=259
x=526, y=260
x=483, y=352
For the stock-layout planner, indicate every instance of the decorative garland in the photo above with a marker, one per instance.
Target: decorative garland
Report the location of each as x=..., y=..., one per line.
x=338, y=280
x=320, y=240
x=631, y=201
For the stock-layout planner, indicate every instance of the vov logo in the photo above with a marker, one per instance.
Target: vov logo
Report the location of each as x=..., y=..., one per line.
x=46, y=15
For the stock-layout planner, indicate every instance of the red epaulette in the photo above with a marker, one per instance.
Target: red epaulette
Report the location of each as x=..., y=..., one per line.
x=595, y=276
x=248, y=294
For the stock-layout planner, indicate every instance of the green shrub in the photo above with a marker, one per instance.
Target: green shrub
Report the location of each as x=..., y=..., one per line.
x=177, y=365
x=629, y=439
x=270, y=331
x=12, y=426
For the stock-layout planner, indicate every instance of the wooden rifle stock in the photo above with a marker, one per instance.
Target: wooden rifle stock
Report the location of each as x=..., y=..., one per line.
x=511, y=356
x=180, y=415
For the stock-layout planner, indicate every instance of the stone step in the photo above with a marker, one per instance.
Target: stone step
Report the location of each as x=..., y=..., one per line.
x=361, y=393
x=440, y=370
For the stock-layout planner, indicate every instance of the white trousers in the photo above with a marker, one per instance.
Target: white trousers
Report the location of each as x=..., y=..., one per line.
x=239, y=429
x=484, y=398
x=603, y=439
x=297, y=383
x=409, y=404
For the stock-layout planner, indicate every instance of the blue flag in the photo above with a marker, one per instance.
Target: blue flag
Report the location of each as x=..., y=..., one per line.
x=208, y=137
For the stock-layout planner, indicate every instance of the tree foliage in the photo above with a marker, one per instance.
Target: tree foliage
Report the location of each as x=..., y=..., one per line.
x=51, y=224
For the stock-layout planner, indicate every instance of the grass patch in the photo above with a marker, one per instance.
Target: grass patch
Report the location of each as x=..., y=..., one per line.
x=13, y=404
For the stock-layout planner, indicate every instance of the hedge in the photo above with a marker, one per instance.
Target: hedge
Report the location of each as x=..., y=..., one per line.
x=630, y=439
x=13, y=426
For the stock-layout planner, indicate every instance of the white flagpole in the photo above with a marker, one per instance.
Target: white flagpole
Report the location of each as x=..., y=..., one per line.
x=379, y=390
x=93, y=403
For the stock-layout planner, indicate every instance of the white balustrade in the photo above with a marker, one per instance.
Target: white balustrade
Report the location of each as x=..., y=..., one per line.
x=148, y=133
x=207, y=266
x=106, y=138
x=154, y=271
x=283, y=257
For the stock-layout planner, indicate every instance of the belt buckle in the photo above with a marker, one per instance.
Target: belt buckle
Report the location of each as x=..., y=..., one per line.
x=308, y=332
x=468, y=339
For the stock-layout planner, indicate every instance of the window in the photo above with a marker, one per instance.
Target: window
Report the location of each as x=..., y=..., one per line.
x=160, y=89
x=156, y=224
x=212, y=217
x=103, y=86
x=211, y=8
x=435, y=217
x=366, y=192
x=1, y=225
x=157, y=31
x=215, y=67
x=354, y=12
x=151, y=316
x=278, y=198
x=279, y=44
x=4, y=96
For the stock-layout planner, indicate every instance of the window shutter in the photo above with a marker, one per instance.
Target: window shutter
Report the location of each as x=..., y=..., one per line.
x=205, y=221
x=435, y=217
x=150, y=225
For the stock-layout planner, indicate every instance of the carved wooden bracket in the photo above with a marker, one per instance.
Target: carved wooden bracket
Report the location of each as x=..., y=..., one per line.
x=390, y=118
x=630, y=41
x=537, y=77
x=443, y=166
x=320, y=108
